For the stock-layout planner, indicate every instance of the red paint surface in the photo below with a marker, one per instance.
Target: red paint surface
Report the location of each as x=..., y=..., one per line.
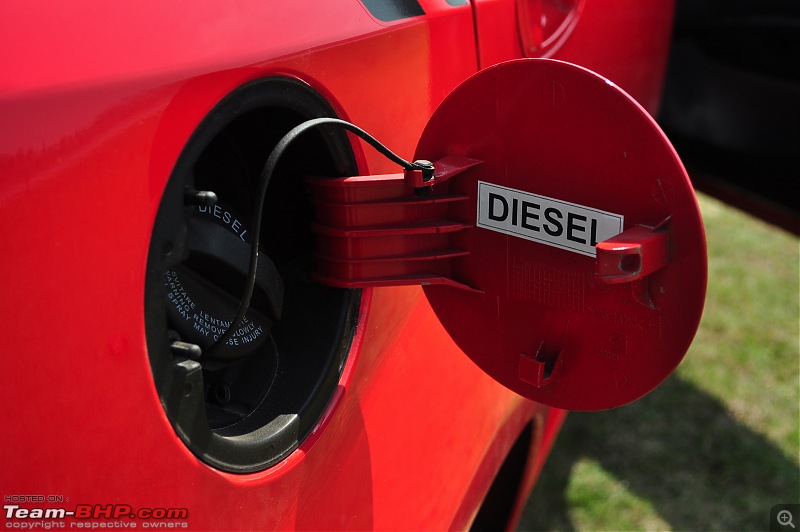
x=96, y=104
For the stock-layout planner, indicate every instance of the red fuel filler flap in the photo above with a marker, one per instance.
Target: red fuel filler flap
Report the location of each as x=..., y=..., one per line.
x=559, y=240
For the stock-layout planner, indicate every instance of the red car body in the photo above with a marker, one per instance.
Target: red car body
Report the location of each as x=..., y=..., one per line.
x=98, y=102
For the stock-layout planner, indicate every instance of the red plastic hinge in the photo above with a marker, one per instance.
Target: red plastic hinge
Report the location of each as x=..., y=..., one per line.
x=388, y=230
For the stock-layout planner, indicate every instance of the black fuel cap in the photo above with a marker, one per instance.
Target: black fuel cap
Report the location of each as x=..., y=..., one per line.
x=203, y=293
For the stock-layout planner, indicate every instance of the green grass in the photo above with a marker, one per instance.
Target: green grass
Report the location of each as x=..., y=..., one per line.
x=718, y=444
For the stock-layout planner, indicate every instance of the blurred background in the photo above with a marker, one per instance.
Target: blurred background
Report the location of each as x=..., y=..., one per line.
x=718, y=444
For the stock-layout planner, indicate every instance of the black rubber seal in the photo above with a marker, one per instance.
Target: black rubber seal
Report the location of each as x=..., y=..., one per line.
x=392, y=10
